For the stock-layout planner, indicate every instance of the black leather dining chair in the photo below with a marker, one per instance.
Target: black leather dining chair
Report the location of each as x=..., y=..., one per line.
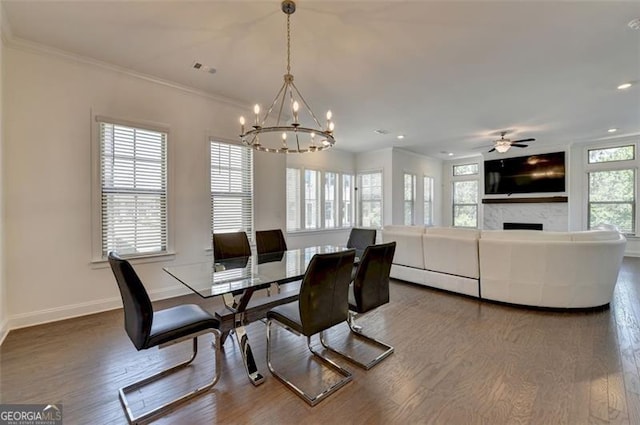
x=370, y=289
x=269, y=241
x=148, y=328
x=322, y=303
x=359, y=239
x=230, y=245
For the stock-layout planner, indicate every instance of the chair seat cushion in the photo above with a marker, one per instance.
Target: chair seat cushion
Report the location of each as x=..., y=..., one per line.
x=288, y=315
x=176, y=322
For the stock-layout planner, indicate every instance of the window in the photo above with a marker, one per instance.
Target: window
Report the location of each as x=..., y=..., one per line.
x=330, y=200
x=318, y=199
x=133, y=190
x=311, y=198
x=231, y=188
x=465, y=170
x=465, y=195
x=370, y=188
x=621, y=153
x=428, y=201
x=409, y=198
x=612, y=179
x=347, y=200
x=293, y=200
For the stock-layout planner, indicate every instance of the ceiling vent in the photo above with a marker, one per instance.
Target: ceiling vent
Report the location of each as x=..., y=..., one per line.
x=634, y=24
x=205, y=68
x=381, y=131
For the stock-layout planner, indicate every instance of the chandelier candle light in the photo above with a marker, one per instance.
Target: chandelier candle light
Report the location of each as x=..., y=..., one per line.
x=304, y=133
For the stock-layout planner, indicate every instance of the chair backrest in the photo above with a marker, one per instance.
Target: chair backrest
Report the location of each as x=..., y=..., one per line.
x=270, y=241
x=230, y=245
x=371, y=282
x=324, y=292
x=138, y=311
x=361, y=238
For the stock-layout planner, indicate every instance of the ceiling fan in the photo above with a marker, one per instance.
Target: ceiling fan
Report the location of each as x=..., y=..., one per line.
x=502, y=145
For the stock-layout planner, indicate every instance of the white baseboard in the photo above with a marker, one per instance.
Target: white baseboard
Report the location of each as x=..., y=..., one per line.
x=632, y=253
x=40, y=317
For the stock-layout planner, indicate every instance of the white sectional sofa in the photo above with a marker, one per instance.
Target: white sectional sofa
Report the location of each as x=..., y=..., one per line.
x=526, y=267
x=445, y=258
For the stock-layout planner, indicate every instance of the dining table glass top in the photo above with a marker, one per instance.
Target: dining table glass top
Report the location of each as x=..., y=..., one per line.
x=218, y=277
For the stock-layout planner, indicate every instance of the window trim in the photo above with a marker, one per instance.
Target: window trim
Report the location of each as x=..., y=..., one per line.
x=97, y=260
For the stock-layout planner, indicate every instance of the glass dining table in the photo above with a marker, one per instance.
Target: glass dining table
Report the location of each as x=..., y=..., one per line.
x=236, y=280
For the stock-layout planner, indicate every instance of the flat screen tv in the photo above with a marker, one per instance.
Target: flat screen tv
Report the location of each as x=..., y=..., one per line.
x=525, y=174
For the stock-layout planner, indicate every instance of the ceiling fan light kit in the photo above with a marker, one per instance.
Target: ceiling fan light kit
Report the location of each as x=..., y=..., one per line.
x=502, y=145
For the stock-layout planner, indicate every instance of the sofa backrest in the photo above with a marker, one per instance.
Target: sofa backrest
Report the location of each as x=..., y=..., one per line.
x=403, y=229
x=525, y=235
x=455, y=232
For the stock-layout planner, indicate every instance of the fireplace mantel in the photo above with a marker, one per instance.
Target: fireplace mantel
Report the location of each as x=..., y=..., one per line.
x=542, y=200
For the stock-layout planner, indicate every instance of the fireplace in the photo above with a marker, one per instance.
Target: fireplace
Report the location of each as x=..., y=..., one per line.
x=522, y=226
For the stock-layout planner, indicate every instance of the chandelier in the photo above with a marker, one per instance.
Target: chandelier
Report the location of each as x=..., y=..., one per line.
x=285, y=127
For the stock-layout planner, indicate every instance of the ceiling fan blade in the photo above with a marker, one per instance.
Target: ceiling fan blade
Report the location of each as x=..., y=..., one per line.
x=492, y=150
x=519, y=146
x=522, y=141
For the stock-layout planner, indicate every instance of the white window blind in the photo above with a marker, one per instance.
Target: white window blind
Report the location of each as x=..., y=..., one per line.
x=409, y=198
x=231, y=188
x=293, y=199
x=428, y=200
x=311, y=199
x=133, y=180
x=330, y=200
x=347, y=200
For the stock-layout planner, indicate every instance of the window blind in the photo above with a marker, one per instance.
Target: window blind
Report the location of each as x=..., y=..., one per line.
x=293, y=199
x=231, y=188
x=133, y=175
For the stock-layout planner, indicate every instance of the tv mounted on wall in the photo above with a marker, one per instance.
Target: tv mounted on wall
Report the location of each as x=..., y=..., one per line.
x=525, y=174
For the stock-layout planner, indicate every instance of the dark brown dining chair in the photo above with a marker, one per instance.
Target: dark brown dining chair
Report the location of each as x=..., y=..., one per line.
x=370, y=289
x=268, y=241
x=148, y=328
x=359, y=239
x=322, y=303
x=230, y=245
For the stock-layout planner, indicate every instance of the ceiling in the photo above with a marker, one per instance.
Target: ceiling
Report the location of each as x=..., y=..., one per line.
x=450, y=75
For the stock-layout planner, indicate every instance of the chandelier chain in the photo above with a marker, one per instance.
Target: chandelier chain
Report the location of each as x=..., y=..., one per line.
x=288, y=44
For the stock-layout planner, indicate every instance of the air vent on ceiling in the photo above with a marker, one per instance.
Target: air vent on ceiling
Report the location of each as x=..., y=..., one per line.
x=204, y=68
x=381, y=131
x=634, y=24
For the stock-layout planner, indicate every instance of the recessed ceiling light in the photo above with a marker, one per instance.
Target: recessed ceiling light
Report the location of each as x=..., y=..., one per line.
x=450, y=154
x=400, y=136
x=612, y=130
x=624, y=86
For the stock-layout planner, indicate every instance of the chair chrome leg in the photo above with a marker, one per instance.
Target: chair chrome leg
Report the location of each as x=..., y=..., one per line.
x=171, y=404
x=357, y=330
x=311, y=399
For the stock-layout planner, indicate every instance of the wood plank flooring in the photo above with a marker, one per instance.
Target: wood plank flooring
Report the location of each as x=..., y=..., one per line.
x=457, y=361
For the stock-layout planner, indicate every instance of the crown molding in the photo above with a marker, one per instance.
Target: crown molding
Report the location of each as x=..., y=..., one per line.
x=33, y=47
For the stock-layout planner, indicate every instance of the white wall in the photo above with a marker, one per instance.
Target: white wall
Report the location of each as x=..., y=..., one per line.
x=330, y=160
x=421, y=166
x=3, y=286
x=47, y=170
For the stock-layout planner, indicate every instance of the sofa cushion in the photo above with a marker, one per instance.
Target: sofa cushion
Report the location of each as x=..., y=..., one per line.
x=408, y=248
x=525, y=235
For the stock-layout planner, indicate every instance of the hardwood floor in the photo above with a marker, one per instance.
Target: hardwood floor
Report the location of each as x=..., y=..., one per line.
x=457, y=361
